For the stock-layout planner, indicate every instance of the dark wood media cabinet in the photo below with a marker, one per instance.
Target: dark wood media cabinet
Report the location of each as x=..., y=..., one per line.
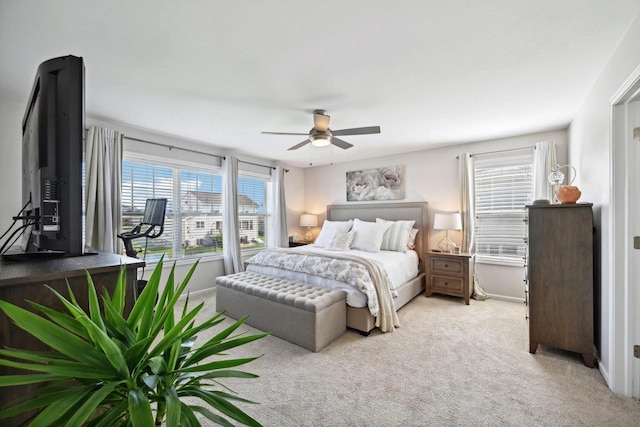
x=25, y=280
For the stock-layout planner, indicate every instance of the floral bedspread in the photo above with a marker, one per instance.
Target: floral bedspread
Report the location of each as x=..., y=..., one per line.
x=366, y=275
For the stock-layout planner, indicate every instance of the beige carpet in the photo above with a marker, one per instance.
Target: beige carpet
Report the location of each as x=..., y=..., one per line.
x=448, y=365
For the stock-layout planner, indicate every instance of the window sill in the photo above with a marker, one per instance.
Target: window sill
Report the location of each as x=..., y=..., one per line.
x=186, y=261
x=508, y=262
x=204, y=258
x=250, y=252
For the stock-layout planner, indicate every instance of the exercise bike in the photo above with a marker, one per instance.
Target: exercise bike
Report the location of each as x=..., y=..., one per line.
x=151, y=227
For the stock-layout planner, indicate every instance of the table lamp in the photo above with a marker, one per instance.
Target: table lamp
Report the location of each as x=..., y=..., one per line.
x=446, y=222
x=308, y=220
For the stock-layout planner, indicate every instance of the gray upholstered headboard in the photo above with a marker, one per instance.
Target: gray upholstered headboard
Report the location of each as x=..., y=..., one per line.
x=417, y=211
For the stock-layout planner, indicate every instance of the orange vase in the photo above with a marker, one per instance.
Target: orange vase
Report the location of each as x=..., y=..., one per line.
x=568, y=194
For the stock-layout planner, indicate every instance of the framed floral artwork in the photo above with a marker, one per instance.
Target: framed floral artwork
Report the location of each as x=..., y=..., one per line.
x=376, y=184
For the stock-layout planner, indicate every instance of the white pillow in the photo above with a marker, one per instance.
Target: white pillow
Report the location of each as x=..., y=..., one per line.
x=397, y=237
x=412, y=239
x=330, y=227
x=340, y=241
x=368, y=235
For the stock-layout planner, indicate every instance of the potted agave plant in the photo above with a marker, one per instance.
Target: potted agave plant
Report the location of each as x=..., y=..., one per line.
x=109, y=368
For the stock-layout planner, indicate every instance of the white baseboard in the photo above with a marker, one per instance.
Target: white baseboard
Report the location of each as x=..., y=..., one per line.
x=605, y=374
x=506, y=298
x=198, y=293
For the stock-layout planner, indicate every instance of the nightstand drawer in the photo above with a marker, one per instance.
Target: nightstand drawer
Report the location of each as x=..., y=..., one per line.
x=448, y=265
x=449, y=285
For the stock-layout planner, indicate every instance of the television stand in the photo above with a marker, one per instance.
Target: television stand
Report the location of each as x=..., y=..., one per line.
x=28, y=256
x=22, y=282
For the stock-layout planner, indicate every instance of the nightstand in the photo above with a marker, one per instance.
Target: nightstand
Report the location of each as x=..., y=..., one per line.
x=299, y=243
x=450, y=274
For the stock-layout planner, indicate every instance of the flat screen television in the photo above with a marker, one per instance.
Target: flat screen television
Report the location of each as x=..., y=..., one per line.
x=52, y=154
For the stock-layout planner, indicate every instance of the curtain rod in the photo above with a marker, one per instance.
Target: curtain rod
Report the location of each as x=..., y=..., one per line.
x=501, y=151
x=171, y=147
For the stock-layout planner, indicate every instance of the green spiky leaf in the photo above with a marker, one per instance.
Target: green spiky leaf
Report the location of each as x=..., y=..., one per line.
x=110, y=367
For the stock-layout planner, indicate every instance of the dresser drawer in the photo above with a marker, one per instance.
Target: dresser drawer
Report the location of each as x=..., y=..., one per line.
x=447, y=266
x=448, y=285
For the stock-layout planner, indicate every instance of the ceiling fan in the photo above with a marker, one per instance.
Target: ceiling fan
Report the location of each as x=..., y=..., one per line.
x=320, y=135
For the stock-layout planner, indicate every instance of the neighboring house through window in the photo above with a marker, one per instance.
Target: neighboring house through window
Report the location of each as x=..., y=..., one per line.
x=252, y=196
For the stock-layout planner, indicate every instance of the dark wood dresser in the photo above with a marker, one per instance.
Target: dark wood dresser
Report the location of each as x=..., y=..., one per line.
x=25, y=280
x=560, y=278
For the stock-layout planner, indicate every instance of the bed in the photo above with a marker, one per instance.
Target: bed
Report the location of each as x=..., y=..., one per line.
x=404, y=283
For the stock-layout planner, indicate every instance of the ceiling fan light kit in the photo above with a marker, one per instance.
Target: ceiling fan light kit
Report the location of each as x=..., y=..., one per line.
x=320, y=140
x=321, y=136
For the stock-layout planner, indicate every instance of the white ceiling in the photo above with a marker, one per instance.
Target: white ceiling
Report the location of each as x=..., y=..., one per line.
x=427, y=72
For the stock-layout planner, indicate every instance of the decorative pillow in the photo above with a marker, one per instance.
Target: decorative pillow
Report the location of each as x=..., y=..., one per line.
x=368, y=235
x=340, y=241
x=330, y=227
x=397, y=237
x=412, y=239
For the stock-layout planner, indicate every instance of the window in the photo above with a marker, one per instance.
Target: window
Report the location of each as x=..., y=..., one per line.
x=503, y=185
x=252, y=193
x=141, y=181
x=193, y=224
x=189, y=222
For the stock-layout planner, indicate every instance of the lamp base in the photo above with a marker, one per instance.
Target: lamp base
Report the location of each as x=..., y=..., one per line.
x=308, y=236
x=447, y=245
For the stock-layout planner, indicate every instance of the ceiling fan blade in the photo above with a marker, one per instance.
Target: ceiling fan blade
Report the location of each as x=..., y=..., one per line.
x=340, y=143
x=357, y=131
x=282, y=133
x=302, y=144
x=321, y=120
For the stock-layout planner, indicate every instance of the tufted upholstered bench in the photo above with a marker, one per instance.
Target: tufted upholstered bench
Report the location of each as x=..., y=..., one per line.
x=306, y=315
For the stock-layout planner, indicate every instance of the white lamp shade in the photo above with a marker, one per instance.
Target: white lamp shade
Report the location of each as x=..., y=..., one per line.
x=452, y=221
x=308, y=220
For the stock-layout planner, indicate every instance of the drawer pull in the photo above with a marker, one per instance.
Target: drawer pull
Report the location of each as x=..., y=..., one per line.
x=446, y=266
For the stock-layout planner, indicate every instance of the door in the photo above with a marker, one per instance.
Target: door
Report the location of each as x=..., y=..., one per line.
x=633, y=132
x=620, y=317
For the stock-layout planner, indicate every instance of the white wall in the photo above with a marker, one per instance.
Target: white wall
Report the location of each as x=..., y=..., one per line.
x=10, y=161
x=589, y=152
x=294, y=194
x=431, y=175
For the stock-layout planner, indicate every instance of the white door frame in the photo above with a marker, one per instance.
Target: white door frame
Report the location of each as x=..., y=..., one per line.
x=624, y=223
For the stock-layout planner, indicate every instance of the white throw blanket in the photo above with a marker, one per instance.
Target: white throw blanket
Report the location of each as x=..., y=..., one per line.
x=367, y=275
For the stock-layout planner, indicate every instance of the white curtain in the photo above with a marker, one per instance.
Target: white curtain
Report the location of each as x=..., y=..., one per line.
x=466, y=181
x=103, y=188
x=230, y=230
x=544, y=158
x=278, y=237
x=467, y=200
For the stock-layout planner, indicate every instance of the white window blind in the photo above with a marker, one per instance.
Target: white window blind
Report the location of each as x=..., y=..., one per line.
x=503, y=186
x=140, y=182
